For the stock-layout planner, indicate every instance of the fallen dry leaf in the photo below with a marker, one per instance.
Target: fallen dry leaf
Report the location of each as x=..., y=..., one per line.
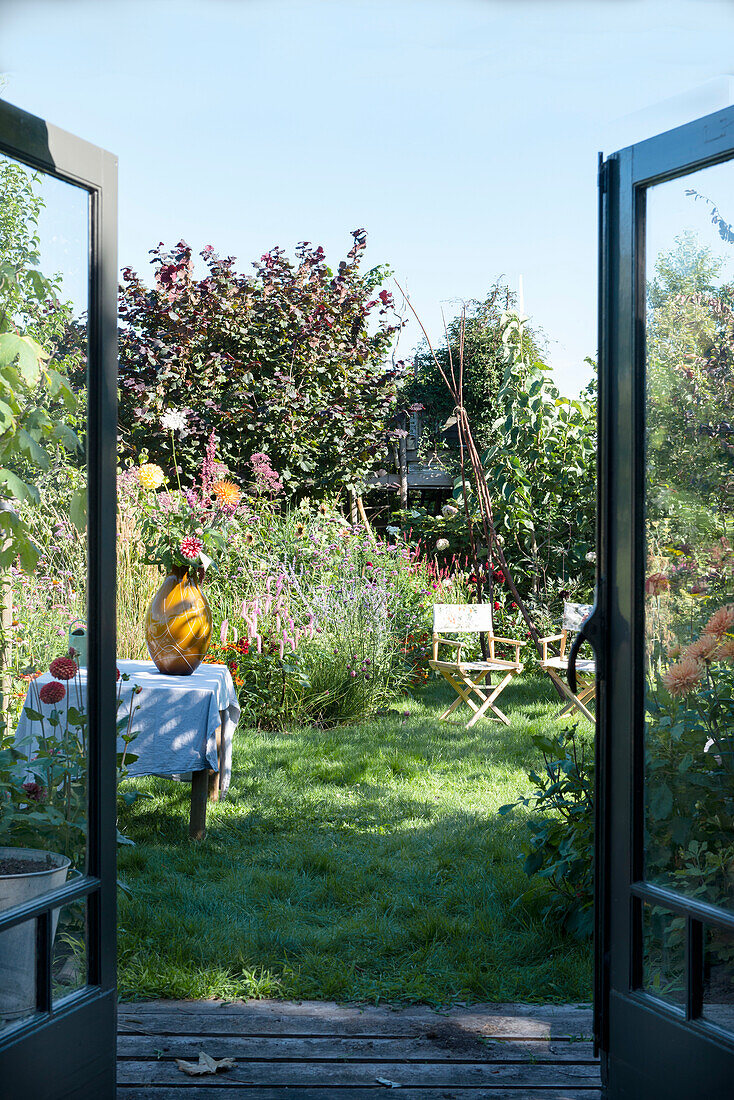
x=388, y=1083
x=206, y=1064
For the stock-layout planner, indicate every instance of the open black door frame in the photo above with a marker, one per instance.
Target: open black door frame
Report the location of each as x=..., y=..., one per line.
x=647, y=1049
x=68, y=1050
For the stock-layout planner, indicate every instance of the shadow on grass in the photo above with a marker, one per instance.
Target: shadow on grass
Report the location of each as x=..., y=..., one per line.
x=362, y=863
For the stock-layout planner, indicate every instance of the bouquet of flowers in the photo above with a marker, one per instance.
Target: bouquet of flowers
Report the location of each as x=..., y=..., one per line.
x=186, y=528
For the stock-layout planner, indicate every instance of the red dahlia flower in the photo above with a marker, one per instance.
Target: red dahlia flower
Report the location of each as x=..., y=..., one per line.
x=53, y=692
x=35, y=792
x=63, y=668
x=191, y=547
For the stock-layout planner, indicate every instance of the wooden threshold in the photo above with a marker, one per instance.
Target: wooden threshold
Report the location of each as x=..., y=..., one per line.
x=323, y=1051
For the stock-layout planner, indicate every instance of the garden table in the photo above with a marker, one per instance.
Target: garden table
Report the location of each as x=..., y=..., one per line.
x=185, y=726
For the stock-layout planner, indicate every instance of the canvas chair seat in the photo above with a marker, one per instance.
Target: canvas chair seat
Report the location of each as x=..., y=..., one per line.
x=584, y=668
x=475, y=666
x=574, y=615
x=467, y=678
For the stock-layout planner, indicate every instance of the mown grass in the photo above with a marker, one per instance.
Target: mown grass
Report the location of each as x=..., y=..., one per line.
x=363, y=863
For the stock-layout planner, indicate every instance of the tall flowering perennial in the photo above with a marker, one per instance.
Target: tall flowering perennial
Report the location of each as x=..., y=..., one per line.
x=267, y=480
x=211, y=470
x=330, y=629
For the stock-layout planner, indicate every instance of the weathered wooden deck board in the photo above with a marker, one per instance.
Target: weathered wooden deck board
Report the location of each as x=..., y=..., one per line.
x=452, y=1047
x=325, y=1051
x=324, y=1018
x=375, y=1092
x=422, y=1075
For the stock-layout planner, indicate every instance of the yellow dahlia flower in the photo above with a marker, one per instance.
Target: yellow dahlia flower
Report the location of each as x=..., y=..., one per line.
x=150, y=476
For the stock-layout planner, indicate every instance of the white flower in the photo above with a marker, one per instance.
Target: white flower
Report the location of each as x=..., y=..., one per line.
x=442, y=544
x=175, y=421
x=591, y=556
x=449, y=510
x=393, y=530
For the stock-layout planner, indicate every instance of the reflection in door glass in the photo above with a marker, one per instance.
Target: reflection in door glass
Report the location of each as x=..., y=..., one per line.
x=664, y=955
x=689, y=578
x=718, y=977
x=43, y=565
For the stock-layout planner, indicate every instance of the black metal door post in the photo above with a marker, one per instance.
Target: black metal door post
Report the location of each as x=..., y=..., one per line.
x=68, y=1049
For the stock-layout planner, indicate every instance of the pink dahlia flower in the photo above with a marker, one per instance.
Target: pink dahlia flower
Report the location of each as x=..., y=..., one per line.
x=191, y=547
x=721, y=622
x=682, y=678
x=63, y=668
x=702, y=648
x=53, y=692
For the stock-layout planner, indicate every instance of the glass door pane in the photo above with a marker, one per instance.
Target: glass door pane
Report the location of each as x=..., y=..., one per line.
x=689, y=547
x=44, y=287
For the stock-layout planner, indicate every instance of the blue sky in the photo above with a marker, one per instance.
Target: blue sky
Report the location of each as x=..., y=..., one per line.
x=462, y=134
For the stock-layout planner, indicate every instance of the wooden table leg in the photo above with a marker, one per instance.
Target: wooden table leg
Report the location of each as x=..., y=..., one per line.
x=197, y=817
x=216, y=777
x=222, y=762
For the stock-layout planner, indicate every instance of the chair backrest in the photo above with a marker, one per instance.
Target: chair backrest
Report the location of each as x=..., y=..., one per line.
x=462, y=618
x=574, y=615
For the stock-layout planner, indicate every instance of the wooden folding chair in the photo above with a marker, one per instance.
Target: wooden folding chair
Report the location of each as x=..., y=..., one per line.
x=574, y=615
x=467, y=678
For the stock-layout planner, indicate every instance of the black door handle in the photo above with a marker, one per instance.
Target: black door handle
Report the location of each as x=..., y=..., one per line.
x=589, y=631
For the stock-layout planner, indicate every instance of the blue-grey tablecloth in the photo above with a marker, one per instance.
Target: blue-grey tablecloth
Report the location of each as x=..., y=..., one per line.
x=177, y=720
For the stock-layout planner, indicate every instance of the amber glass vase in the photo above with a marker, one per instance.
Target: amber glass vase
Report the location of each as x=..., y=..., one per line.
x=178, y=626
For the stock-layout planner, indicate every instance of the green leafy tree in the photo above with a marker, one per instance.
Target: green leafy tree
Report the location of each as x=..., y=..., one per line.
x=690, y=384
x=292, y=362
x=541, y=472
x=36, y=398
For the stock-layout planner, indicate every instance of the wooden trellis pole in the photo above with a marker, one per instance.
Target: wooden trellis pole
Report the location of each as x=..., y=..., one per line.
x=467, y=448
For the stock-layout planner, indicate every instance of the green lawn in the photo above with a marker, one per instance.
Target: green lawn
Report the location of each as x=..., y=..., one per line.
x=363, y=863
